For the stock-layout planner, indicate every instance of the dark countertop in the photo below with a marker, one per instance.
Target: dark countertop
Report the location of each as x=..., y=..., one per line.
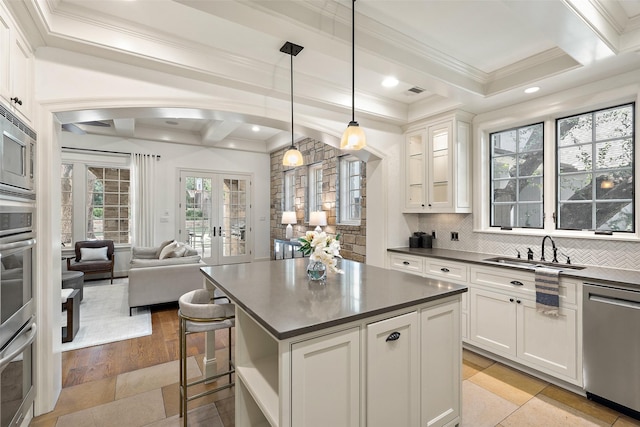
x=278, y=295
x=604, y=275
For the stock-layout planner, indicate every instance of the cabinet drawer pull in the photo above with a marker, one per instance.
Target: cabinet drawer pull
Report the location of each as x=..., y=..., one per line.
x=510, y=299
x=406, y=262
x=393, y=336
x=516, y=283
x=444, y=269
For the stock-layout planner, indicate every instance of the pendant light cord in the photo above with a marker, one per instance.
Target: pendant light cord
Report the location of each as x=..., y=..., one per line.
x=292, y=101
x=353, y=61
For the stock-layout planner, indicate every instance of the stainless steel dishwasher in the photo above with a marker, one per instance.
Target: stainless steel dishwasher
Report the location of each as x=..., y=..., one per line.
x=611, y=339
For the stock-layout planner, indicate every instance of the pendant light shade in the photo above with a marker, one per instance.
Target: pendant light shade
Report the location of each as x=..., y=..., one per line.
x=293, y=156
x=353, y=138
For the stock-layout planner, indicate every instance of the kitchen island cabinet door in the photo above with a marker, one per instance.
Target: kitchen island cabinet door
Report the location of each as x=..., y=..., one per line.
x=493, y=321
x=393, y=394
x=441, y=364
x=549, y=342
x=325, y=380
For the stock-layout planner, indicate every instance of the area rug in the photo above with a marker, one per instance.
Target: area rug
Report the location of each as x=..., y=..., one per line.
x=104, y=316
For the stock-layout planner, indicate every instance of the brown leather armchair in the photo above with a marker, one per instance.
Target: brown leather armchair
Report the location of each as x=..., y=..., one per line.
x=89, y=265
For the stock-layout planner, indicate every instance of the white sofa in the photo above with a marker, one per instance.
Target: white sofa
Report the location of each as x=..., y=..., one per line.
x=156, y=281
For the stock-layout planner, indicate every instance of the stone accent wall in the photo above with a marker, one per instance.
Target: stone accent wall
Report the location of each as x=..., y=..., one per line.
x=353, y=238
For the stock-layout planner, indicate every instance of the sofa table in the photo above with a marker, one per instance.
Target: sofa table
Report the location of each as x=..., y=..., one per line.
x=71, y=304
x=284, y=249
x=370, y=347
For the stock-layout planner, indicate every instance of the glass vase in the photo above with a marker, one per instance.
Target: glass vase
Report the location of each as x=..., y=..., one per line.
x=316, y=270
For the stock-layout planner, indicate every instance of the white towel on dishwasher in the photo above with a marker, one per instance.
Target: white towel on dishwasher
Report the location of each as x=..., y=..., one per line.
x=547, y=294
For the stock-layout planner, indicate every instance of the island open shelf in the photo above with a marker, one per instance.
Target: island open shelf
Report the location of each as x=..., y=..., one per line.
x=257, y=367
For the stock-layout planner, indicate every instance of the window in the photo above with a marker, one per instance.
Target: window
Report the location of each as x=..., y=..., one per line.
x=595, y=170
x=289, y=190
x=315, y=187
x=350, y=190
x=517, y=177
x=108, y=204
x=98, y=193
x=66, y=202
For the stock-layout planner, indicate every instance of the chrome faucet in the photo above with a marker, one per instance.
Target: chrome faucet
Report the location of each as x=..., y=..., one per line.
x=555, y=250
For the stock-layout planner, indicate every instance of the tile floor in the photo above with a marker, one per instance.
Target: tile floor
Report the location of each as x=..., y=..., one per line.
x=493, y=395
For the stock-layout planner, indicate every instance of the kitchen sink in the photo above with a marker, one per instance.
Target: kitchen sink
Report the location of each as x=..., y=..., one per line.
x=531, y=265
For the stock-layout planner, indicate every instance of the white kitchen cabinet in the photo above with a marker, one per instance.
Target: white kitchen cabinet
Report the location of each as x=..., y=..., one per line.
x=456, y=272
x=351, y=375
x=436, y=268
x=406, y=263
x=444, y=269
x=16, y=68
x=549, y=343
x=440, y=328
x=493, y=321
x=464, y=315
x=504, y=320
x=393, y=394
x=437, y=166
x=325, y=380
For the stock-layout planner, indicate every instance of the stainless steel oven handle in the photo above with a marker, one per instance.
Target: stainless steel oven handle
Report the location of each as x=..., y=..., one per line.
x=17, y=245
x=6, y=358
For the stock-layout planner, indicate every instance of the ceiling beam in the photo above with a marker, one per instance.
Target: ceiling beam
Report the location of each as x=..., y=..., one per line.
x=216, y=131
x=571, y=26
x=125, y=127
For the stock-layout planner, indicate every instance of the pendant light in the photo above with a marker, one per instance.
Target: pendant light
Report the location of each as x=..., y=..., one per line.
x=293, y=156
x=353, y=138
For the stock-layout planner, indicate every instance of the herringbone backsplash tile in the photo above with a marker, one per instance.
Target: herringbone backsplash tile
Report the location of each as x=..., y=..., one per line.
x=602, y=253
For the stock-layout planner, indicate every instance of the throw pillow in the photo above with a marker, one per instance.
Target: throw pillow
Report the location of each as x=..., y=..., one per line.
x=162, y=246
x=180, y=250
x=93, y=254
x=189, y=251
x=167, y=250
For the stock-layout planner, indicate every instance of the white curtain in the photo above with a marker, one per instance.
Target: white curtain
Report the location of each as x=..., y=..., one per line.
x=143, y=196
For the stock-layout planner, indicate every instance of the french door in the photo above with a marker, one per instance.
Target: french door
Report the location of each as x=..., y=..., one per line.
x=215, y=216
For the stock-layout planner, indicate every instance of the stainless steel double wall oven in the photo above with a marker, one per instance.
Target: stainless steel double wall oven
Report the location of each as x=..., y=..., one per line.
x=17, y=254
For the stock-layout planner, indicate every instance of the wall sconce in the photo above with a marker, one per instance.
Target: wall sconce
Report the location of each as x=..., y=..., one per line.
x=319, y=219
x=289, y=217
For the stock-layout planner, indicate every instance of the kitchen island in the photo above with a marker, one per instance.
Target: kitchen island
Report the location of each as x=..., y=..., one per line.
x=370, y=347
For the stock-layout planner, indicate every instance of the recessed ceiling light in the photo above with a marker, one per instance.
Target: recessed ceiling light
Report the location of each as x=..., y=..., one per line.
x=255, y=128
x=532, y=89
x=390, y=82
x=171, y=122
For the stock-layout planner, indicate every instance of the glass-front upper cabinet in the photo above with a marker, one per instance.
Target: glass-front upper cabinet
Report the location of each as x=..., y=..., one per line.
x=437, y=167
x=415, y=178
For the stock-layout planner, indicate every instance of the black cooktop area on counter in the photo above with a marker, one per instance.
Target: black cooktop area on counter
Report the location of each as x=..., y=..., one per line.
x=587, y=274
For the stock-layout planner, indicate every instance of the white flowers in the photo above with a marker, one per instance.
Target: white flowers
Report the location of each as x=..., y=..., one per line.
x=323, y=248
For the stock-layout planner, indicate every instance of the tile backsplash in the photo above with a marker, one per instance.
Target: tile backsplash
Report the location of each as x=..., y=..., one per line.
x=603, y=253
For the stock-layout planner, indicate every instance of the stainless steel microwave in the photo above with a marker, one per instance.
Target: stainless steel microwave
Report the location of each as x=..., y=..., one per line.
x=17, y=157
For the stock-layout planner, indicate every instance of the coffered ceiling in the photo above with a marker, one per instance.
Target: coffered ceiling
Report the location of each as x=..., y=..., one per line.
x=477, y=55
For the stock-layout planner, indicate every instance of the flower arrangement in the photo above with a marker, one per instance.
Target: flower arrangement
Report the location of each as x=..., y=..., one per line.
x=322, y=248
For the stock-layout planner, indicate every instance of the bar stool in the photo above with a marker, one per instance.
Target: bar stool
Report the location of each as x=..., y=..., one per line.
x=198, y=313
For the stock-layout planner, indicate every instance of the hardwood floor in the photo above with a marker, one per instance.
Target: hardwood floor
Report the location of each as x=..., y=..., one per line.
x=108, y=360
